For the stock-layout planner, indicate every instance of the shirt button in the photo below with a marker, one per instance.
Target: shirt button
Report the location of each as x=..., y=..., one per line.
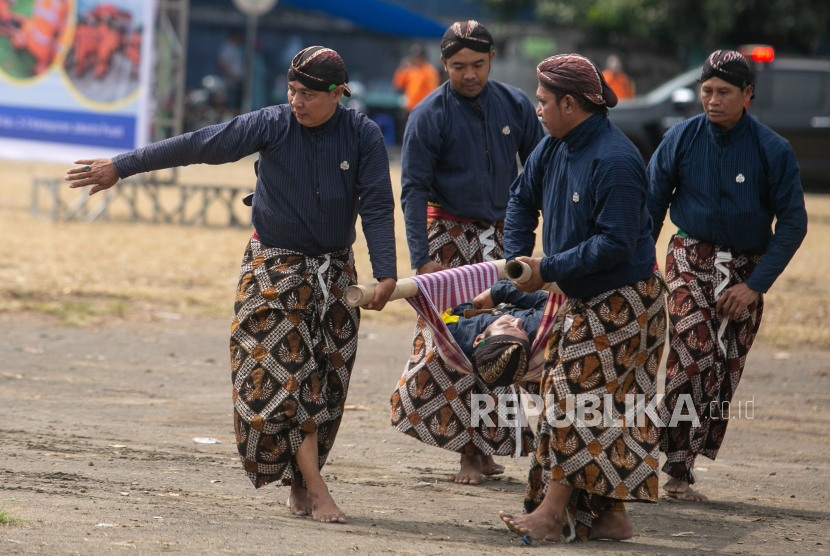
x=570, y=149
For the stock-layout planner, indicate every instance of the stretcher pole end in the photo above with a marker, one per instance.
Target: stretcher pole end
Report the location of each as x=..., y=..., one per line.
x=518, y=271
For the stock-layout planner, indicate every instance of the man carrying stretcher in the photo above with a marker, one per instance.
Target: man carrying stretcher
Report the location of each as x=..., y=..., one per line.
x=459, y=157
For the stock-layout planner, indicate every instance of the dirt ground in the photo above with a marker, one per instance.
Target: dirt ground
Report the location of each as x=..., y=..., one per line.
x=97, y=455
x=113, y=357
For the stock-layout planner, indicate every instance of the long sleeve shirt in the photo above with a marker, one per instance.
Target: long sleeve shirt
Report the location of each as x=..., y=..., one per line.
x=312, y=183
x=461, y=153
x=591, y=189
x=726, y=188
x=529, y=308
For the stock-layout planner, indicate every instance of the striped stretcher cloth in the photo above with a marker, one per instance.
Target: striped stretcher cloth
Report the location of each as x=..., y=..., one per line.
x=446, y=289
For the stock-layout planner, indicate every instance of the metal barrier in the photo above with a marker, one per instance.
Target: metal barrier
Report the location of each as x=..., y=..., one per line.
x=143, y=201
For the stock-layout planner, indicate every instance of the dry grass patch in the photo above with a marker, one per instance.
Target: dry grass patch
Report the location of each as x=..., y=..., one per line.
x=84, y=273
x=87, y=273
x=797, y=306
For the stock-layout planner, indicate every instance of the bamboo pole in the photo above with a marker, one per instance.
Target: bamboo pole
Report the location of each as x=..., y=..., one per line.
x=361, y=295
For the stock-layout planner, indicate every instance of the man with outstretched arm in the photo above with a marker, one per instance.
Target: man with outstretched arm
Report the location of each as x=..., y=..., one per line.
x=459, y=159
x=727, y=177
x=293, y=338
x=589, y=183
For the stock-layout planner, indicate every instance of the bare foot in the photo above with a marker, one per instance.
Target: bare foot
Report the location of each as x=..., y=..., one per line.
x=324, y=510
x=683, y=491
x=536, y=525
x=490, y=467
x=470, y=472
x=298, y=501
x=614, y=526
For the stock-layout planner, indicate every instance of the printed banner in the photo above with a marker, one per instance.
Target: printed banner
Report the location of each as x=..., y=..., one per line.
x=74, y=77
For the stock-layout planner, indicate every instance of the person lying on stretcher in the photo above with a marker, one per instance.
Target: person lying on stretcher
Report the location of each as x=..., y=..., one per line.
x=496, y=329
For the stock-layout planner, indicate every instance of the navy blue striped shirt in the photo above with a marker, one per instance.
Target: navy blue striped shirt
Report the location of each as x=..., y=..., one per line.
x=726, y=188
x=461, y=153
x=591, y=189
x=312, y=182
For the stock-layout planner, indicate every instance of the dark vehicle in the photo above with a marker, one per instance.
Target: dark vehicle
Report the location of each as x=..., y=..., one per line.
x=792, y=98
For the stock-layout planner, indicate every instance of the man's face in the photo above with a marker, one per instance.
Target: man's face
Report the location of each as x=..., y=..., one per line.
x=468, y=71
x=551, y=112
x=312, y=108
x=723, y=102
x=505, y=324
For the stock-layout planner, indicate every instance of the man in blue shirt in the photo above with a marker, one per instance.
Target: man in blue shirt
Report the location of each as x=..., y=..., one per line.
x=293, y=337
x=589, y=183
x=459, y=156
x=726, y=177
x=502, y=302
x=459, y=159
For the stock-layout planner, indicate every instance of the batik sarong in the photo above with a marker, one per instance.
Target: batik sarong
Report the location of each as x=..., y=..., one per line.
x=707, y=353
x=455, y=244
x=293, y=344
x=432, y=401
x=608, y=346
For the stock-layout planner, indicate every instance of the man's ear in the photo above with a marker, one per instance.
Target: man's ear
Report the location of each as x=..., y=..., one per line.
x=748, y=92
x=478, y=340
x=492, y=55
x=338, y=93
x=444, y=62
x=570, y=104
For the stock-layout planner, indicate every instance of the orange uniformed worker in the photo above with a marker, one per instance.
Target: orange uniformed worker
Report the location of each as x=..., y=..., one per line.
x=86, y=45
x=109, y=41
x=133, y=50
x=40, y=34
x=619, y=82
x=416, y=78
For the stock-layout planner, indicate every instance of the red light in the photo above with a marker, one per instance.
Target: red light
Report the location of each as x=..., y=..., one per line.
x=763, y=54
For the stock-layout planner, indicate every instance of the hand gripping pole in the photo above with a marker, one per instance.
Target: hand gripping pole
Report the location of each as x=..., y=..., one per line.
x=358, y=296
x=521, y=273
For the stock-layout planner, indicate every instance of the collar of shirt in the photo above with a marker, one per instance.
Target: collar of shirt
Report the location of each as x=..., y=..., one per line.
x=586, y=132
x=329, y=124
x=731, y=134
